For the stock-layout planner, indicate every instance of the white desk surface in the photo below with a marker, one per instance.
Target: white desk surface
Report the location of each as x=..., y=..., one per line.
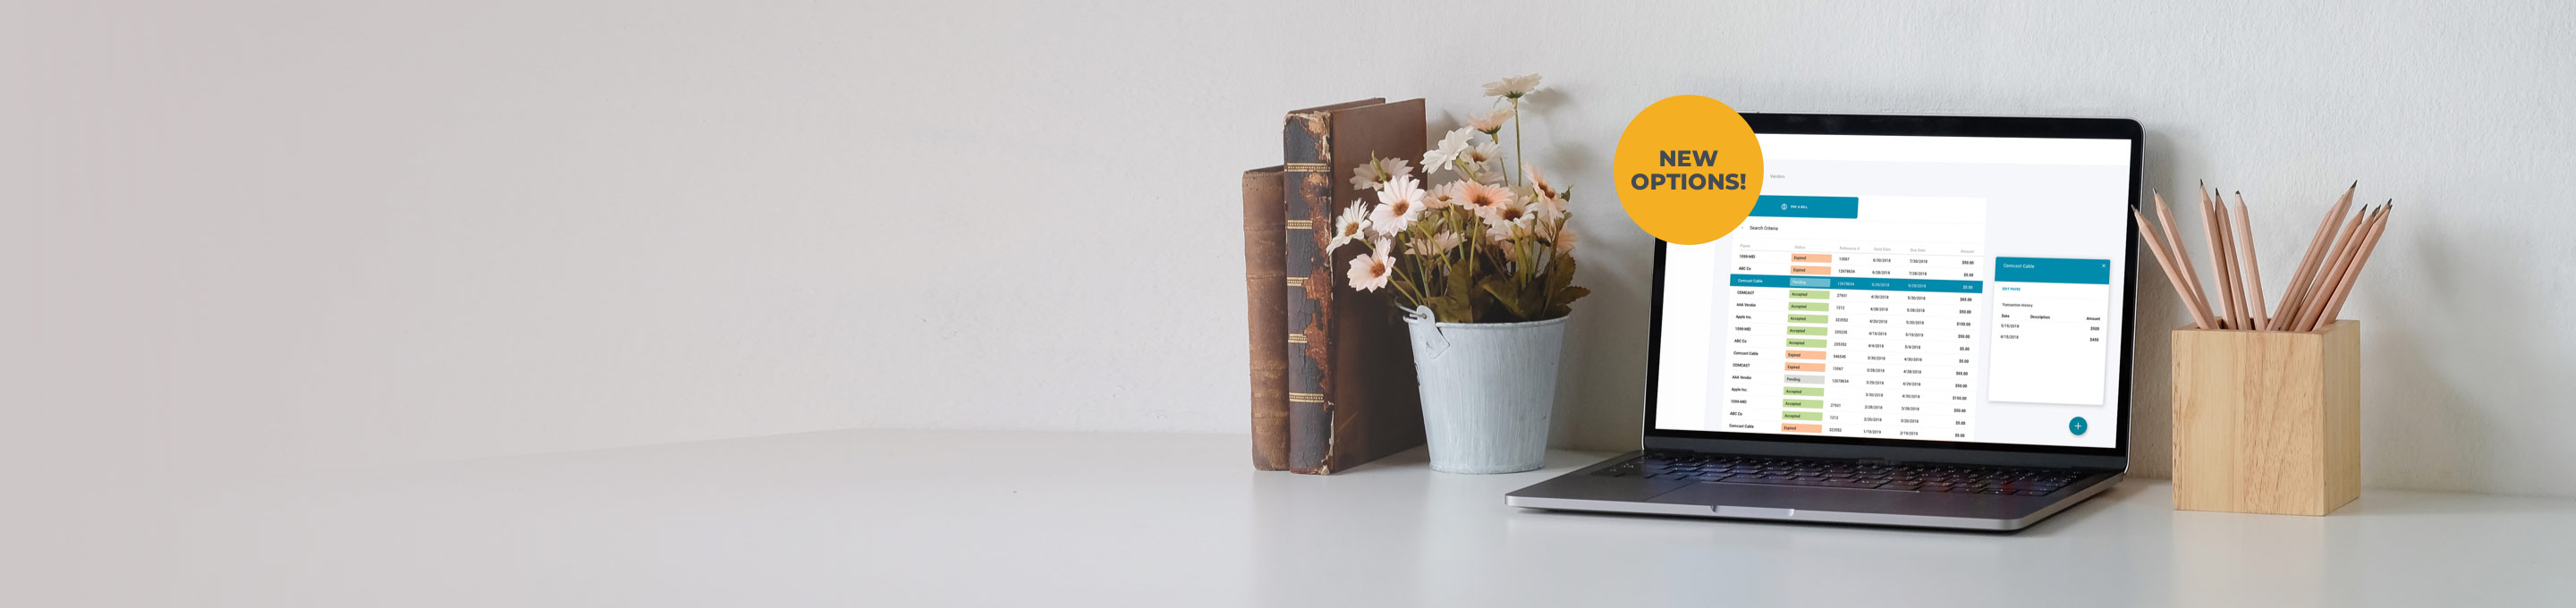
x=917, y=518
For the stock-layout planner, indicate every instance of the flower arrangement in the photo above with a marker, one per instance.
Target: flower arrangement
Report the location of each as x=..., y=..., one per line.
x=1488, y=246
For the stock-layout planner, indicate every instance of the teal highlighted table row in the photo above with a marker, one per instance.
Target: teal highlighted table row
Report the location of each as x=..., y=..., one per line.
x=2052, y=270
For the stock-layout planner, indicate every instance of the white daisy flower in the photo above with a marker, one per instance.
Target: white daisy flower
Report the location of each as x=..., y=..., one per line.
x=1512, y=87
x=1371, y=272
x=1505, y=230
x=1451, y=146
x=1484, y=154
x=1370, y=175
x=1484, y=162
x=1352, y=225
x=1397, y=206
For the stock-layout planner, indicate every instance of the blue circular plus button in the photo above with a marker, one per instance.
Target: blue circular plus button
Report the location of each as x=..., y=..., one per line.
x=2076, y=426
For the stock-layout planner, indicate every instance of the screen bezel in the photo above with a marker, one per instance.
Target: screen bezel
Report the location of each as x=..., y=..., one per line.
x=2115, y=457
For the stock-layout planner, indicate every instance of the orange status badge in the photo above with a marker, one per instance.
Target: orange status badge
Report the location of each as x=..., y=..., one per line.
x=1688, y=169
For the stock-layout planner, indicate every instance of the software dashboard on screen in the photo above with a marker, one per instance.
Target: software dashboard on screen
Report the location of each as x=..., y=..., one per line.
x=1904, y=287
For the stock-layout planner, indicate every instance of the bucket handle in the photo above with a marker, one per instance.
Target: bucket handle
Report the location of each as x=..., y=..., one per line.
x=1427, y=345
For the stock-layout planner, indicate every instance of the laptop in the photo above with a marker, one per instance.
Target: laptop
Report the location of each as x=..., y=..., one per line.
x=1924, y=322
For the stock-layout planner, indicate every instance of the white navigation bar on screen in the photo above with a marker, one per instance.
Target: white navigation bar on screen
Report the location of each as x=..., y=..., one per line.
x=1920, y=149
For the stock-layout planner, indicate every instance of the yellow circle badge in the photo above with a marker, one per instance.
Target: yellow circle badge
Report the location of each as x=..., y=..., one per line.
x=1688, y=169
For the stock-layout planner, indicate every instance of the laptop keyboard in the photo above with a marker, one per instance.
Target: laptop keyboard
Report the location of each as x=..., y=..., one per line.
x=1834, y=473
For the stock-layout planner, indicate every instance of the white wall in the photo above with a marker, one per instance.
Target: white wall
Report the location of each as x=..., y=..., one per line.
x=269, y=236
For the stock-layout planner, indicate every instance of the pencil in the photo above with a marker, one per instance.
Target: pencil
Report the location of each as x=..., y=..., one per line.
x=2209, y=232
x=2329, y=272
x=2155, y=244
x=2308, y=261
x=2182, y=257
x=2235, y=273
x=2335, y=306
x=2252, y=266
x=2313, y=288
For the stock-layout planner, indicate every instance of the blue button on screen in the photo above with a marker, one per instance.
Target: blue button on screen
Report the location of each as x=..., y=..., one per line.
x=2076, y=426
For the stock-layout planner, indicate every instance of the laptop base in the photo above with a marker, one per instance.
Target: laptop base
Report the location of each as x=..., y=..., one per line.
x=1587, y=490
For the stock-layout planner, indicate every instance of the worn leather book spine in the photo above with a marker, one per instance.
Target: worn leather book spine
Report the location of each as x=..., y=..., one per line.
x=1265, y=293
x=1307, y=197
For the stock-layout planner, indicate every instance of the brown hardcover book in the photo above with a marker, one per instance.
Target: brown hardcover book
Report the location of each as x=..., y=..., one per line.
x=1265, y=290
x=1351, y=391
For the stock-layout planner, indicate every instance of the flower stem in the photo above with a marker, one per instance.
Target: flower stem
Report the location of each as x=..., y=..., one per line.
x=1516, y=141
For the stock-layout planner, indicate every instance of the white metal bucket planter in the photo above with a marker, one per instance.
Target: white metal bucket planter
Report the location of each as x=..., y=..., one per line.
x=1487, y=391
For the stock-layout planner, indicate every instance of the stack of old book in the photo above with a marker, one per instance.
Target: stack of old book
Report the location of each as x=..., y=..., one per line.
x=1332, y=373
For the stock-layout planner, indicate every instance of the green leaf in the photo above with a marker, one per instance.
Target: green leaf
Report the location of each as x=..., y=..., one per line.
x=1504, y=294
x=1452, y=303
x=1560, y=274
x=1458, y=294
x=1534, y=300
x=1567, y=296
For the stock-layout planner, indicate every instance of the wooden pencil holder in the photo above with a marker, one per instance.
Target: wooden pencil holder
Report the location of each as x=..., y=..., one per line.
x=2267, y=422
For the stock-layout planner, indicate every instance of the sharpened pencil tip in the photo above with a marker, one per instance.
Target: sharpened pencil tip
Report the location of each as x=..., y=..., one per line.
x=2355, y=184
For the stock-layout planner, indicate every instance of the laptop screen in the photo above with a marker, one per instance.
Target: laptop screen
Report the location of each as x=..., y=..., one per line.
x=1937, y=289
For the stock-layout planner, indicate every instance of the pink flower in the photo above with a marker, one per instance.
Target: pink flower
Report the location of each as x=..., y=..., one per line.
x=1371, y=272
x=1565, y=241
x=1505, y=210
x=1476, y=197
x=1491, y=122
x=1446, y=195
x=1539, y=180
x=1397, y=205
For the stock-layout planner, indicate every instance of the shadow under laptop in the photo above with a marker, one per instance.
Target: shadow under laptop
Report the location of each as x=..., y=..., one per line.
x=1695, y=560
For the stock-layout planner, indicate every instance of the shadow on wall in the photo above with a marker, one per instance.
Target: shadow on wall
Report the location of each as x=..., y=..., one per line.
x=2159, y=311
x=2424, y=426
x=1615, y=261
